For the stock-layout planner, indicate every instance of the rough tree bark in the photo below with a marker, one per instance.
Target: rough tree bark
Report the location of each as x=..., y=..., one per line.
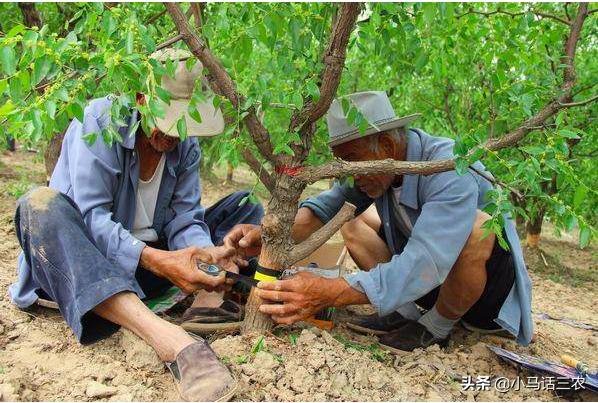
x=533, y=229
x=30, y=15
x=290, y=177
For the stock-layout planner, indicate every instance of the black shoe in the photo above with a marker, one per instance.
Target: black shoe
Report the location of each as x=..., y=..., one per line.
x=374, y=324
x=410, y=336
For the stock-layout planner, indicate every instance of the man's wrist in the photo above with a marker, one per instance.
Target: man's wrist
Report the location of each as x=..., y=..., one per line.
x=150, y=259
x=344, y=294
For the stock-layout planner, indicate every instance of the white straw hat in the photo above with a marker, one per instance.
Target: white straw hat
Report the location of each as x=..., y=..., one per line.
x=375, y=108
x=181, y=90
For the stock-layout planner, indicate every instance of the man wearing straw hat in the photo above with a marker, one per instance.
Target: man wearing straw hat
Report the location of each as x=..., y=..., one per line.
x=123, y=222
x=421, y=245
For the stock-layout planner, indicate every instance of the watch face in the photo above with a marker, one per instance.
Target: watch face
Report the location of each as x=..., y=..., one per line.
x=210, y=269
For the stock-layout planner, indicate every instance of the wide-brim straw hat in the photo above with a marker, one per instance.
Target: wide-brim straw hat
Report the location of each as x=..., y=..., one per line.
x=181, y=90
x=374, y=106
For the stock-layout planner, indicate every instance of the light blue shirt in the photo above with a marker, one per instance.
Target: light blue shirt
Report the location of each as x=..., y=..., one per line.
x=442, y=209
x=102, y=180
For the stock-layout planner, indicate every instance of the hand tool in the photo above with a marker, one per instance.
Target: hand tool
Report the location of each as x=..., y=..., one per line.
x=214, y=270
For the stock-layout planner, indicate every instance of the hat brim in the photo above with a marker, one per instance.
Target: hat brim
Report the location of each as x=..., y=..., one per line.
x=391, y=124
x=212, y=122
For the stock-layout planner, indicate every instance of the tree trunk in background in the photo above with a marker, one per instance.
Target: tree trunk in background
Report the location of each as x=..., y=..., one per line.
x=229, y=172
x=52, y=153
x=533, y=229
x=10, y=144
x=30, y=15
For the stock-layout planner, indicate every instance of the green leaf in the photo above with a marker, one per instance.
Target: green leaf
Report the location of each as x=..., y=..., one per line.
x=568, y=134
x=157, y=108
x=246, y=46
x=7, y=108
x=90, y=138
x=259, y=346
x=461, y=165
x=51, y=108
x=77, y=111
x=130, y=42
x=313, y=90
x=579, y=196
x=41, y=68
x=181, y=126
x=194, y=113
x=8, y=60
x=584, y=237
x=163, y=94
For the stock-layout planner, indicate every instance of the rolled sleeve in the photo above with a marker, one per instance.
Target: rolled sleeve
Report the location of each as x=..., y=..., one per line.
x=328, y=203
x=440, y=233
x=188, y=227
x=93, y=171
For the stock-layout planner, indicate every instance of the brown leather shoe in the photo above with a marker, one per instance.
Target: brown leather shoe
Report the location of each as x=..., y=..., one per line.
x=200, y=376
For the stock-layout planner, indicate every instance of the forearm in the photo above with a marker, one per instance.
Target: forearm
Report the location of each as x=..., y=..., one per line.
x=344, y=294
x=151, y=258
x=306, y=223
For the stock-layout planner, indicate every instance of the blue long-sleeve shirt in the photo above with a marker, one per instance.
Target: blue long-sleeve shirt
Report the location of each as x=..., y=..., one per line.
x=441, y=209
x=102, y=180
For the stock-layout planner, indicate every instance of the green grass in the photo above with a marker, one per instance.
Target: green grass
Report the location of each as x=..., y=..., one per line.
x=18, y=188
x=374, y=349
x=562, y=274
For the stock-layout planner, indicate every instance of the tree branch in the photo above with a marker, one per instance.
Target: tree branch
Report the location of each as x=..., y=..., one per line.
x=155, y=17
x=587, y=101
x=169, y=42
x=499, y=11
x=340, y=168
x=318, y=238
x=330, y=77
x=224, y=84
x=257, y=167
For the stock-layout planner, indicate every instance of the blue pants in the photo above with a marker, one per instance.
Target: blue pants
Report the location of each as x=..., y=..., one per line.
x=71, y=270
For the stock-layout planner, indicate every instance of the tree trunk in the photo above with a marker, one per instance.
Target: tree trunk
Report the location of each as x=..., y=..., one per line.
x=533, y=229
x=10, y=144
x=52, y=153
x=276, y=246
x=30, y=15
x=229, y=172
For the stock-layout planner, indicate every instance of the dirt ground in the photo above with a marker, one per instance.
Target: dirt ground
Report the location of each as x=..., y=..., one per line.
x=41, y=360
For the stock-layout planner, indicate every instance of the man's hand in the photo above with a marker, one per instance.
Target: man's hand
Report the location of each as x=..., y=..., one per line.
x=303, y=295
x=180, y=268
x=246, y=238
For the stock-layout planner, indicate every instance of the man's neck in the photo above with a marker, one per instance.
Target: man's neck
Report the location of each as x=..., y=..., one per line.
x=149, y=158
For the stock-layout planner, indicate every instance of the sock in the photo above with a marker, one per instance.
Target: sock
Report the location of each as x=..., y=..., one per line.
x=437, y=324
x=409, y=311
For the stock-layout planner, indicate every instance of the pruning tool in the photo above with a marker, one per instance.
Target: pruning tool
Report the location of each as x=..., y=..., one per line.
x=214, y=270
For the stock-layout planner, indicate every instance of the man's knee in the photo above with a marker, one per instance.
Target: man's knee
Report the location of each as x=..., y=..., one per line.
x=478, y=246
x=351, y=230
x=39, y=199
x=45, y=208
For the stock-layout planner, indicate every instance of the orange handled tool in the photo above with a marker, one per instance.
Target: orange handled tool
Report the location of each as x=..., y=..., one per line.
x=582, y=367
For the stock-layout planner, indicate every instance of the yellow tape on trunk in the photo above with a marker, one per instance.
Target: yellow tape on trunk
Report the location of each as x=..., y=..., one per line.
x=263, y=277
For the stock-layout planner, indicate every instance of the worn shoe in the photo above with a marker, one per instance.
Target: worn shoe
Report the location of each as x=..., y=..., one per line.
x=200, y=376
x=228, y=311
x=205, y=321
x=375, y=324
x=410, y=336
